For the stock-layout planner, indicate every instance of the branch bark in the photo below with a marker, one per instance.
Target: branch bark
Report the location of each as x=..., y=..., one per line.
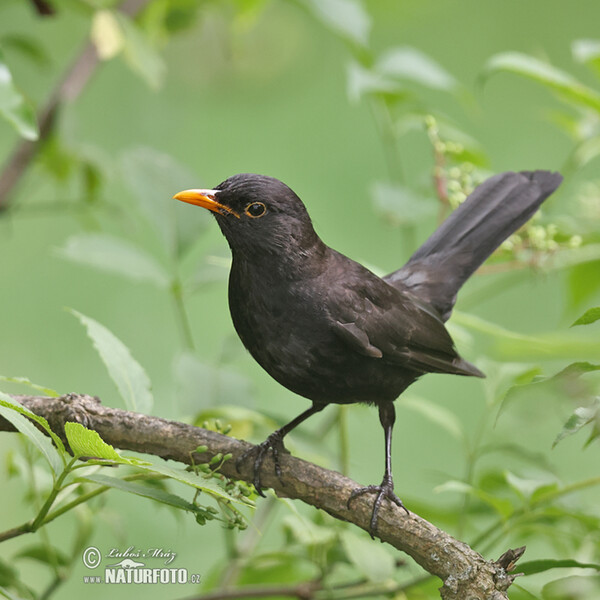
x=466, y=575
x=68, y=88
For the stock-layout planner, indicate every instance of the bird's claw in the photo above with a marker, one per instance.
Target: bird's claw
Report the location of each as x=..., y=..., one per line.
x=385, y=490
x=273, y=443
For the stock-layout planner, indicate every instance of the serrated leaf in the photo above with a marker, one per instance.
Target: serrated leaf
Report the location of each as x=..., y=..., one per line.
x=128, y=375
x=14, y=412
x=400, y=205
x=370, y=558
x=539, y=566
x=25, y=381
x=139, y=53
x=14, y=107
x=582, y=416
x=346, y=18
x=140, y=489
x=87, y=442
x=589, y=316
x=412, y=64
x=113, y=255
x=436, y=414
x=153, y=179
x=544, y=73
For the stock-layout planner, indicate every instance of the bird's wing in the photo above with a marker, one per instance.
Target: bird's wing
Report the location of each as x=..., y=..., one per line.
x=385, y=323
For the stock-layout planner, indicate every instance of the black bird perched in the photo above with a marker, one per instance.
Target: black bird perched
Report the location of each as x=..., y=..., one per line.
x=332, y=331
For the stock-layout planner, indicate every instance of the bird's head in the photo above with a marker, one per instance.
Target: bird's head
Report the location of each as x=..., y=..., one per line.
x=257, y=214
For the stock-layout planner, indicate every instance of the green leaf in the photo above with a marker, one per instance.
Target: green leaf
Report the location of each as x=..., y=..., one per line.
x=14, y=107
x=88, y=443
x=45, y=554
x=585, y=152
x=590, y=316
x=113, y=255
x=128, y=375
x=189, y=478
x=15, y=413
x=203, y=384
x=412, y=64
x=153, y=179
x=25, y=381
x=362, y=81
x=139, y=53
x=527, y=487
x=8, y=578
x=551, y=77
x=507, y=344
x=582, y=416
x=401, y=205
x=306, y=532
x=27, y=46
x=502, y=506
x=539, y=566
x=436, y=414
x=575, y=587
x=567, y=382
x=587, y=52
x=370, y=558
x=140, y=489
x=346, y=18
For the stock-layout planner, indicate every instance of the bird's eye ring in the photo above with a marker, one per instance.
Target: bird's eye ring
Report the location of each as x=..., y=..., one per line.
x=255, y=210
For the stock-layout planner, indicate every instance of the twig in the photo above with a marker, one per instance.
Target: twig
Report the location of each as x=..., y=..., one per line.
x=68, y=89
x=465, y=573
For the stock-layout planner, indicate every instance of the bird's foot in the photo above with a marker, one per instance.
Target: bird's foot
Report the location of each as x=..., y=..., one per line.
x=259, y=452
x=385, y=490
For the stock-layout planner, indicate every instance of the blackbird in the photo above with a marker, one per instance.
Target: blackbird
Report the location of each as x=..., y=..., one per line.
x=329, y=329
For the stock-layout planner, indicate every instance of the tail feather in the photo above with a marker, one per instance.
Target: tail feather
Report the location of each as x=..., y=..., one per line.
x=495, y=210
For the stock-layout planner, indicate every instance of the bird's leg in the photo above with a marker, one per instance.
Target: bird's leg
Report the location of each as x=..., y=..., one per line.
x=387, y=417
x=275, y=443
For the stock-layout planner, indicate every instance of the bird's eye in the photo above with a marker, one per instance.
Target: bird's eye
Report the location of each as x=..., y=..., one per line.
x=255, y=210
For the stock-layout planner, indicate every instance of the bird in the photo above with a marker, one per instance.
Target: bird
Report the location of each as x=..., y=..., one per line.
x=328, y=328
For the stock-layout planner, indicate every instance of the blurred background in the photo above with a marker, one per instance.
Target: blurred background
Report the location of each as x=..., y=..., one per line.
x=381, y=116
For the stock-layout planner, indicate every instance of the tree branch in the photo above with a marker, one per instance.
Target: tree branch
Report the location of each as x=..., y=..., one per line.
x=68, y=89
x=464, y=572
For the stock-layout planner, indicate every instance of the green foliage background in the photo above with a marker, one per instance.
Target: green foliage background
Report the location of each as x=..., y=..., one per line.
x=297, y=89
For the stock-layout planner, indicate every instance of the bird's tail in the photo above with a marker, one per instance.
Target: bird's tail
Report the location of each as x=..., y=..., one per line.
x=495, y=210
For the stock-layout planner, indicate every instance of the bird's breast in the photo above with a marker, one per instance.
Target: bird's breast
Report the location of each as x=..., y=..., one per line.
x=286, y=325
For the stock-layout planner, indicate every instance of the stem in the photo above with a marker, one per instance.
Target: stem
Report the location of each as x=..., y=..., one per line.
x=249, y=542
x=181, y=313
x=342, y=422
x=68, y=88
x=44, y=516
x=500, y=524
x=385, y=128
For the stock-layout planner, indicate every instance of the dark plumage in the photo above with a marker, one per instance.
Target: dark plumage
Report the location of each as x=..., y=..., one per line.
x=332, y=331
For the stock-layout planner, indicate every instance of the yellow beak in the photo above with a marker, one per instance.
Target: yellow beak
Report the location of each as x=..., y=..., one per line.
x=205, y=199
